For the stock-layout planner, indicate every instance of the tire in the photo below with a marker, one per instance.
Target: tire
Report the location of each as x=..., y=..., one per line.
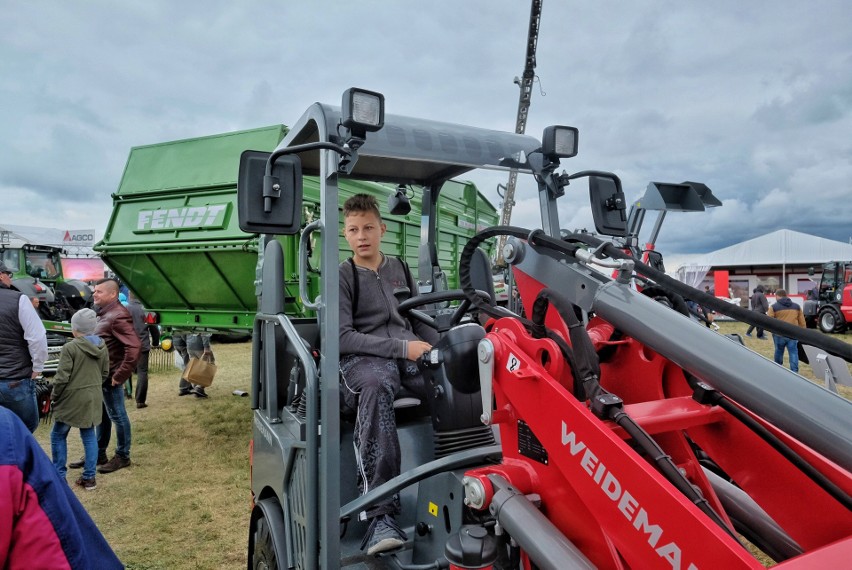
x=830, y=320
x=263, y=551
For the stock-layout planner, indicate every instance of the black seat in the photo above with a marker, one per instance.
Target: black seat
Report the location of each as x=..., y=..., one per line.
x=481, y=276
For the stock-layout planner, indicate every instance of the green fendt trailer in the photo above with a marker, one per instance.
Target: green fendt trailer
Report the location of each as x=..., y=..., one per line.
x=173, y=235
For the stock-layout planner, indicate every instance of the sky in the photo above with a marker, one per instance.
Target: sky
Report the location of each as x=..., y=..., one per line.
x=753, y=99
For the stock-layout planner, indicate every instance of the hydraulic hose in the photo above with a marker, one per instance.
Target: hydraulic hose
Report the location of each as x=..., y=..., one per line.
x=786, y=451
x=666, y=466
x=830, y=345
x=589, y=366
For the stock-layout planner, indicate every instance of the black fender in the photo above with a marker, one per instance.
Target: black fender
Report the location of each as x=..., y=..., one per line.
x=270, y=509
x=77, y=292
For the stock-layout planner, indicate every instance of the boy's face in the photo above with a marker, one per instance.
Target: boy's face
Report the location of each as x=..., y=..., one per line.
x=363, y=232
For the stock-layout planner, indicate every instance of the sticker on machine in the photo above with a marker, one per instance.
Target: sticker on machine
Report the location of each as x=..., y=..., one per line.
x=512, y=363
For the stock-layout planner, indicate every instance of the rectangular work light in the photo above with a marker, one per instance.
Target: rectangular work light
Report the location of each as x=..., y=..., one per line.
x=363, y=111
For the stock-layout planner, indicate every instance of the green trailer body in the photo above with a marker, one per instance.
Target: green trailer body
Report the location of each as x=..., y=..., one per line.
x=174, y=239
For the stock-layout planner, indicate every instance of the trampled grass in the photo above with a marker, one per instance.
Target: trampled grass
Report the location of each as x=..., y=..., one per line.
x=184, y=503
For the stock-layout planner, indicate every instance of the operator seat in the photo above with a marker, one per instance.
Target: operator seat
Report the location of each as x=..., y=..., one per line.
x=481, y=276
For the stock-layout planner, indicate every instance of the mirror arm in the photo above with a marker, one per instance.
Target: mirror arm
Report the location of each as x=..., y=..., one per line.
x=271, y=184
x=304, y=148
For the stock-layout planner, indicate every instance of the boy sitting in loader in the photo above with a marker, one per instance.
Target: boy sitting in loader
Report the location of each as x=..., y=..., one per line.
x=378, y=348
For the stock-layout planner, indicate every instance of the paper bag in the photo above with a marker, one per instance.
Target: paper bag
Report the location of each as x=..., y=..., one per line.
x=200, y=372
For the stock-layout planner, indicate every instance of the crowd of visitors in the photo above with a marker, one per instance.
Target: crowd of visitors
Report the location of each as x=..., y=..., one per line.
x=110, y=342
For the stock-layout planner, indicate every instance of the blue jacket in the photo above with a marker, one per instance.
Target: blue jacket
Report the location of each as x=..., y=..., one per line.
x=42, y=524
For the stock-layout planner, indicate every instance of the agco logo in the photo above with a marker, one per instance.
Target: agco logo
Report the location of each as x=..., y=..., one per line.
x=78, y=237
x=211, y=216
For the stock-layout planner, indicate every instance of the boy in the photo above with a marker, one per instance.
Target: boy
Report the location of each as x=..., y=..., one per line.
x=377, y=352
x=77, y=396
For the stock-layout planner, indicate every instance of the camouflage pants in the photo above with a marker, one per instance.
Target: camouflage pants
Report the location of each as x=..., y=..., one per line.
x=369, y=386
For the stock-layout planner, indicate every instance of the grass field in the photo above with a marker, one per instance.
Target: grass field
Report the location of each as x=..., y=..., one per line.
x=184, y=503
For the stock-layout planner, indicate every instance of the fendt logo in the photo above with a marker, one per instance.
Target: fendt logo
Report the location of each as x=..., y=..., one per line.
x=190, y=217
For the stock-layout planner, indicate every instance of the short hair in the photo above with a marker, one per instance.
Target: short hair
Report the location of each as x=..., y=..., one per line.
x=361, y=203
x=780, y=293
x=109, y=280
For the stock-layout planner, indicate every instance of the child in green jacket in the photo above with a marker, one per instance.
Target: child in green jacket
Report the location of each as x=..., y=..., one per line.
x=77, y=396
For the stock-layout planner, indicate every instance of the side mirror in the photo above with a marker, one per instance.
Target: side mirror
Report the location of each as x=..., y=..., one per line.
x=269, y=202
x=608, y=205
x=811, y=271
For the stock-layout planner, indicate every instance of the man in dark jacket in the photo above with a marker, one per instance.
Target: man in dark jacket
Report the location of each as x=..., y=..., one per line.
x=784, y=309
x=378, y=348
x=143, y=331
x=759, y=304
x=115, y=326
x=23, y=350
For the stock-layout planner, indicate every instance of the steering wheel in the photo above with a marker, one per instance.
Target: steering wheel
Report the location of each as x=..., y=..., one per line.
x=408, y=307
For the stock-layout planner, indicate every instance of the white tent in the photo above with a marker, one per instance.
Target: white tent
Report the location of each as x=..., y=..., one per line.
x=782, y=247
x=46, y=236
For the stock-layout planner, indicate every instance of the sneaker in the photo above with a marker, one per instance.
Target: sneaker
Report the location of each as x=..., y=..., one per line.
x=87, y=484
x=184, y=392
x=383, y=534
x=117, y=462
x=714, y=326
x=82, y=463
x=749, y=335
x=140, y=405
x=199, y=392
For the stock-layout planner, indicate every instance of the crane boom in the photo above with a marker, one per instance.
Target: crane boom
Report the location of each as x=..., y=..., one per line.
x=525, y=82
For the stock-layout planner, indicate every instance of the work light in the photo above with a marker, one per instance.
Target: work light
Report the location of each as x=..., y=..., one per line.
x=559, y=142
x=363, y=111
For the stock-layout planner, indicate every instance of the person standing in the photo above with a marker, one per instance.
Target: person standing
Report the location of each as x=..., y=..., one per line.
x=42, y=523
x=759, y=304
x=784, y=309
x=115, y=326
x=195, y=345
x=137, y=312
x=77, y=397
x=378, y=350
x=23, y=351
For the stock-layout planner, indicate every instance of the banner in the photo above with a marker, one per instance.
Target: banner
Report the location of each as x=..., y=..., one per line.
x=84, y=238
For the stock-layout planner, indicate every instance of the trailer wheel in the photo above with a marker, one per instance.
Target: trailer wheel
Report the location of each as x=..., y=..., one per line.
x=263, y=553
x=830, y=320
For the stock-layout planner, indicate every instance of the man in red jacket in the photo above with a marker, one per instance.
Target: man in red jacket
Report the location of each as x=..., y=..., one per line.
x=115, y=326
x=42, y=524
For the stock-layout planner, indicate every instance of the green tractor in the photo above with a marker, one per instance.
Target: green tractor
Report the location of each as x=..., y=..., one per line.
x=38, y=275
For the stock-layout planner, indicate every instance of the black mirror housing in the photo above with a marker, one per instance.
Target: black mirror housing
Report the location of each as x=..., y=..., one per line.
x=608, y=205
x=269, y=200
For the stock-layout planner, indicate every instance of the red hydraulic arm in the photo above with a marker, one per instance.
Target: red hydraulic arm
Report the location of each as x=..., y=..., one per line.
x=604, y=494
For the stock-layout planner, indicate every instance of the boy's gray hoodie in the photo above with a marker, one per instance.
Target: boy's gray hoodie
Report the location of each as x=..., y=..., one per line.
x=377, y=329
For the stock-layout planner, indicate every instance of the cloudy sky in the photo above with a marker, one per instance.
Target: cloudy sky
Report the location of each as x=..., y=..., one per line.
x=752, y=98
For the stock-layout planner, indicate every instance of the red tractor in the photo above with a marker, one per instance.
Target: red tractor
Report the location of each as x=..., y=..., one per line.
x=831, y=310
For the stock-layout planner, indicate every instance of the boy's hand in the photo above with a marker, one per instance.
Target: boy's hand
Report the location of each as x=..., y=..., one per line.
x=416, y=348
